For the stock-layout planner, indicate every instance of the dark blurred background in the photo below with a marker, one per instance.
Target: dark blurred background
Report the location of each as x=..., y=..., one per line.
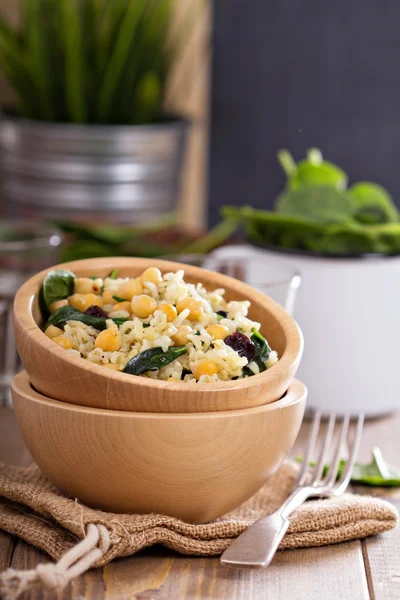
x=301, y=73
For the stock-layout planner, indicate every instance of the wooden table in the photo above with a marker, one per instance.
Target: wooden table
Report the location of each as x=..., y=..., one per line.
x=359, y=570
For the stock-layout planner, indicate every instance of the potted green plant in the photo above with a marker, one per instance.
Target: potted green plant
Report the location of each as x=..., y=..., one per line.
x=345, y=242
x=88, y=135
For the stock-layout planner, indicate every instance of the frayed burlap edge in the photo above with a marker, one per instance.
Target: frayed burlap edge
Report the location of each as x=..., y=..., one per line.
x=34, y=511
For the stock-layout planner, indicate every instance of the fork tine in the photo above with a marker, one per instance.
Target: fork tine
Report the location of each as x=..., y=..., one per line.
x=336, y=461
x=325, y=448
x=347, y=471
x=310, y=449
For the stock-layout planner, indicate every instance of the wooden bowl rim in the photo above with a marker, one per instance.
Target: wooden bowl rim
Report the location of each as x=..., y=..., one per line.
x=21, y=385
x=294, y=339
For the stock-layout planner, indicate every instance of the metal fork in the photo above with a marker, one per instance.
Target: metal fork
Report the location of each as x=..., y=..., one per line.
x=257, y=545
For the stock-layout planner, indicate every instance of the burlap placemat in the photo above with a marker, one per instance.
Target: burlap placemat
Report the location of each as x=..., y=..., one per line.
x=80, y=537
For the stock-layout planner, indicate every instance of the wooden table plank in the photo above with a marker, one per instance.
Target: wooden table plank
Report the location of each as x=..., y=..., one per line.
x=12, y=448
x=161, y=574
x=293, y=575
x=381, y=556
x=7, y=544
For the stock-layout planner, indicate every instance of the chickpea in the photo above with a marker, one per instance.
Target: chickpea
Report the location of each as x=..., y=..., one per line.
x=169, y=311
x=129, y=289
x=85, y=285
x=97, y=285
x=109, y=340
x=126, y=306
x=83, y=301
x=195, y=307
x=143, y=306
x=53, y=331
x=108, y=297
x=57, y=304
x=180, y=338
x=218, y=332
x=63, y=341
x=151, y=274
x=205, y=367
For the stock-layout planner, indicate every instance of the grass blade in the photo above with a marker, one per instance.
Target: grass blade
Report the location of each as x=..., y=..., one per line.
x=38, y=55
x=75, y=89
x=119, y=57
x=215, y=237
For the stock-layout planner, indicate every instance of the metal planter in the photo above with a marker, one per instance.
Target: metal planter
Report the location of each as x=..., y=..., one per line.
x=116, y=172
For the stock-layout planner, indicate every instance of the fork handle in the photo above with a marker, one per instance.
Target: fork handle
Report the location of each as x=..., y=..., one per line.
x=257, y=545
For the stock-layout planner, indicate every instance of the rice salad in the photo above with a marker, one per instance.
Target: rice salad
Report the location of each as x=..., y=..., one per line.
x=156, y=326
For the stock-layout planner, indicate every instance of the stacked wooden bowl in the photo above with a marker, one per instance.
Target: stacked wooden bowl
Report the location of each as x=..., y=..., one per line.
x=131, y=444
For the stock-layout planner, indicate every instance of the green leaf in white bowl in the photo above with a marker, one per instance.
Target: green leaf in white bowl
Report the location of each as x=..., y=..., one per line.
x=320, y=203
x=312, y=171
x=374, y=203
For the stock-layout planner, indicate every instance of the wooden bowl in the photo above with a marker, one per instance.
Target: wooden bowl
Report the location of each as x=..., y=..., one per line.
x=196, y=467
x=57, y=374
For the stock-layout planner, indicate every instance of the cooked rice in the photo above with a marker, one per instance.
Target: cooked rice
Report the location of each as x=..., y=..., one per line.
x=139, y=334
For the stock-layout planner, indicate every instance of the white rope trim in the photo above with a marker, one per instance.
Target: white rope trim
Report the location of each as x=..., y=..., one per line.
x=55, y=577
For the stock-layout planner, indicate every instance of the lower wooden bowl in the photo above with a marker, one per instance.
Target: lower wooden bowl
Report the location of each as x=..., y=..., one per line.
x=195, y=467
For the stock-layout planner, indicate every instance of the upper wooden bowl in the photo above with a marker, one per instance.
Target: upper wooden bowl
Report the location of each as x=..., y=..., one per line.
x=57, y=374
x=196, y=467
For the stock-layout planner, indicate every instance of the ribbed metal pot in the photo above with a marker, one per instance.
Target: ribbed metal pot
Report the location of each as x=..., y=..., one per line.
x=57, y=171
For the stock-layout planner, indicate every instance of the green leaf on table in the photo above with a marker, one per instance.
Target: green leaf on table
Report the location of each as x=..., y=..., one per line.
x=69, y=313
x=319, y=203
x=377, y=473
x=312, y=171
x=153, y=359
x=374, y=203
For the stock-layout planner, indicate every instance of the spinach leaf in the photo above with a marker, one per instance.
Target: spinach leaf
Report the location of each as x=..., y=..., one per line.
x=311, y=171
x=221, y=314
x=113, y=274
x=57, y=285
x=119, y=299
x=262, y=349
x=153, y=359
x=267, y=228
x=246, y=372
x=69, y=313
x=320, y=203
x=374, y=203
x=377, y=473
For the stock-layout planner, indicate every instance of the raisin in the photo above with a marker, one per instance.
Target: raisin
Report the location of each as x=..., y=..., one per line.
x=241, y=344
x=96, y=311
